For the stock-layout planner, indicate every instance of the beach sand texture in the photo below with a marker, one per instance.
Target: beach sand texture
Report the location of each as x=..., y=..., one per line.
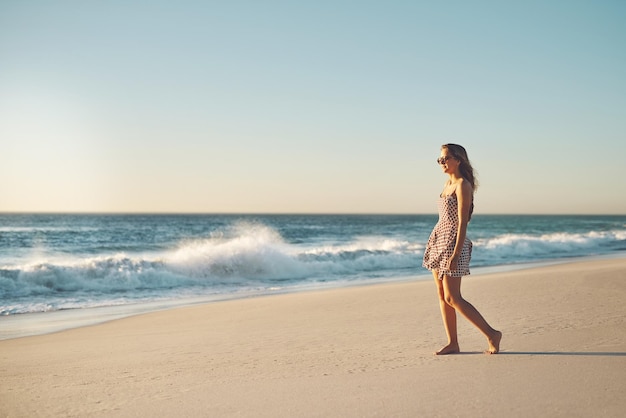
x=350, y=352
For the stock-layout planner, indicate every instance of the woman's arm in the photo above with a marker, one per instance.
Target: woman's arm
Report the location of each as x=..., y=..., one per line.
x=464, y=198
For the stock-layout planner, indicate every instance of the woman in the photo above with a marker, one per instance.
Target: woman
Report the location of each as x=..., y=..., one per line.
x=448, y=250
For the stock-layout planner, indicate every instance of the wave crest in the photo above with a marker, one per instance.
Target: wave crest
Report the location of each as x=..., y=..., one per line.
x=511, y=245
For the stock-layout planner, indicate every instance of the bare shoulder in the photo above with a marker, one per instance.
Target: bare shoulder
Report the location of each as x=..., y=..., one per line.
x=464, y=187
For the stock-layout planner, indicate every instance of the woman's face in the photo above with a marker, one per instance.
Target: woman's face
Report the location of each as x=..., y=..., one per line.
x=448, y=163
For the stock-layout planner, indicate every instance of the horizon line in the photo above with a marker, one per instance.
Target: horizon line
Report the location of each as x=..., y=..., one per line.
x=170, y=213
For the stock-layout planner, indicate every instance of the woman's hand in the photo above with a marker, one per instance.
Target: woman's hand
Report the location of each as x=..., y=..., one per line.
x=453, y=262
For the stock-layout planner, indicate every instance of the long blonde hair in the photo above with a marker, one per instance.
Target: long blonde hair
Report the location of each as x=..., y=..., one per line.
x=465, y=167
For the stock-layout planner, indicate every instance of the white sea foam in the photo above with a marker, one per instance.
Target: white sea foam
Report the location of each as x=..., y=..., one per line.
x=561, y=241
x=525, y=248
x=247, y=250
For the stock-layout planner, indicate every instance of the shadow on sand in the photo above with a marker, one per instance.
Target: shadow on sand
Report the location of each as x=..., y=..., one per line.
x=564, y=353
x=549, y=353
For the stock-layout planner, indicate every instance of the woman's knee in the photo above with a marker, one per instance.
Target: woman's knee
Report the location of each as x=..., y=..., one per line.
x=452, y=291
x=452, y=299
x=456, y=301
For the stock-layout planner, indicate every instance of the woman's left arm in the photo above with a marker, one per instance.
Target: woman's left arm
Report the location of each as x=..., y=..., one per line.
x=464, y=198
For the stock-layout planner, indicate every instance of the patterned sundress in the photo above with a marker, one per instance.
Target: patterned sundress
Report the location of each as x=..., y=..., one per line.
x=442, y=240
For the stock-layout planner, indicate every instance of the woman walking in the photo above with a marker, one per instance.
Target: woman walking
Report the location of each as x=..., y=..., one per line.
x=448, y=250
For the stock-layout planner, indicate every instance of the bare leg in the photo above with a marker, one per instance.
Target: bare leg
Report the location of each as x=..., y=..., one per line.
x=453, y=298
x=448, y=314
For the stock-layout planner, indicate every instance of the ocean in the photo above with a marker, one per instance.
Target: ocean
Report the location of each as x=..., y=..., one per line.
x=55, y=262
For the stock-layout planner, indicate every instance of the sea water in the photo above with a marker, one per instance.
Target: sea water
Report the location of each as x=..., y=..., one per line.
x=55, y=262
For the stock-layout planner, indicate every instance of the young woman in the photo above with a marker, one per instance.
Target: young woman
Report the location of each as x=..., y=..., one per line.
x=448, y=250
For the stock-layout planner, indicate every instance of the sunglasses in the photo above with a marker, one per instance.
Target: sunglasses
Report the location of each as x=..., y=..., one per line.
x=443, y=160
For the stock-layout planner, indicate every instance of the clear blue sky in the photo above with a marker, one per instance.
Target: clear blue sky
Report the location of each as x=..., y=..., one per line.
x=319, y=106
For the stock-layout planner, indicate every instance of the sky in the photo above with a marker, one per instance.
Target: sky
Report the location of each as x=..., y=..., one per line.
x=310, y=106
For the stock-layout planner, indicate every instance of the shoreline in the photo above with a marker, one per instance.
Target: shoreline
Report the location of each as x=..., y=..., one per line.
x=360, y=351
x=42, y=323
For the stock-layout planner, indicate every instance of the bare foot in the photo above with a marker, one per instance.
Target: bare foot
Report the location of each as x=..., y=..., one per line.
x=494, y=343
x=448, y=349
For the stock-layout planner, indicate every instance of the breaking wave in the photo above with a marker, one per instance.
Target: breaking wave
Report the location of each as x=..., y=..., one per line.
x=245, y=256
x=527, y=247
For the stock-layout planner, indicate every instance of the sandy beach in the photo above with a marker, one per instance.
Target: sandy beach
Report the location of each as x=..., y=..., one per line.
x=351, y=352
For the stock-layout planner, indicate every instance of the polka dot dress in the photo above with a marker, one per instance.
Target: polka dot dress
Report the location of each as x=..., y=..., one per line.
x=442, y=240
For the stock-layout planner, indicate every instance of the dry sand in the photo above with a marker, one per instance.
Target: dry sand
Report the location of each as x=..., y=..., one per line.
x=352, y=352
